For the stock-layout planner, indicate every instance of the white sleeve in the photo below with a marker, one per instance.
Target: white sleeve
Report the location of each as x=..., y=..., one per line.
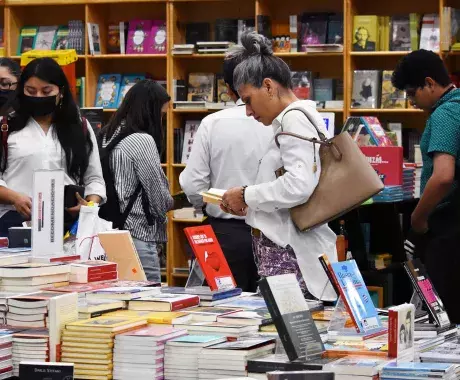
x=195, y=178
x=93, y=179
x=297, y=157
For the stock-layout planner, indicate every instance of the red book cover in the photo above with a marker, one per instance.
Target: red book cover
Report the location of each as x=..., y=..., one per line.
x=210, y=257
x=387, y=162
x=93, y=267
x=392, y=334
x=103, y=276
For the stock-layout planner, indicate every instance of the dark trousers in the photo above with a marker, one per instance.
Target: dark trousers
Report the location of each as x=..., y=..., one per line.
x=10, y=219
x=442, y=258
x=235, y=239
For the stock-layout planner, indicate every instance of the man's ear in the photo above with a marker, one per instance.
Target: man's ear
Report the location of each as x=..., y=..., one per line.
x=430, y=82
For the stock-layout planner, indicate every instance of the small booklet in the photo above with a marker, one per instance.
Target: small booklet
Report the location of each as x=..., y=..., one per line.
x=213, y=196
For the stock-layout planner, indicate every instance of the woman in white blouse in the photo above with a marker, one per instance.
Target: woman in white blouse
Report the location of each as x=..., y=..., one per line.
x=263, y=82
x=45, y=132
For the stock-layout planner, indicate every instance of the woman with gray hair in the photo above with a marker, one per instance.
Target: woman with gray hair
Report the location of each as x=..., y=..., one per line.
x=287, y=174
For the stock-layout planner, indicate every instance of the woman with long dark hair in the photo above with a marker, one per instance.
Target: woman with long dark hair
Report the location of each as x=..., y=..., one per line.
x=134, y=142
x=45, y=131
x=10, y=71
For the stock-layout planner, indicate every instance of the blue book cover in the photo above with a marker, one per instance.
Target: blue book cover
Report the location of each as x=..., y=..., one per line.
x=127, y=82
x=419, y=367
x=107, y=91
x=356, y=296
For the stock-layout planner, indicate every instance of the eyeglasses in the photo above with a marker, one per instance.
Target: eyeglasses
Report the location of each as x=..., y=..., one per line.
x=410, y=92
x=7, y=85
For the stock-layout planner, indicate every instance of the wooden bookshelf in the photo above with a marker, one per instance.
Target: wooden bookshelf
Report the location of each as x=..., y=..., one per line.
x=19, y=13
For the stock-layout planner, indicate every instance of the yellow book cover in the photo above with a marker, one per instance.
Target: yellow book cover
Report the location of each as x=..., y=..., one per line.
x=68, y=349
x=128, y=314
x=165, y=318
x=80, y=339
x=84, y=360
x=268, y=328
x=386, y=30
x=88, y=356
x=110, y=324
x=365, y=33
x=391, y=96
x=87, y=345
x=88, y=372
x=93, y=367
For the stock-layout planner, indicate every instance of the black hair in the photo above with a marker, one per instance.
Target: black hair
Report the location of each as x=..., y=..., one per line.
x=229, y=68
x=140, y=111
x=12, y=66
x=414, y=68
x=258, y=62
x=74, y=139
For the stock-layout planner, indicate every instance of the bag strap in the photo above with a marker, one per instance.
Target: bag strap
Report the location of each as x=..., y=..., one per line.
x=323, y=140
x=129, y=207
x=5, y=129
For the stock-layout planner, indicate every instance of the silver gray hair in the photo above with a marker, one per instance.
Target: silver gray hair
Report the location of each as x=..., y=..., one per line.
x=257, y=62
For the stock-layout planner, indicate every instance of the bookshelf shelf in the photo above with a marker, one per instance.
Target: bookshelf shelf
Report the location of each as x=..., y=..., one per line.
x=189, y=221
x=194, y=110
x=386, y=111
x=180, y=275
x=310, y=55
x=379, y=53
x=179, y=166
x=128, y=56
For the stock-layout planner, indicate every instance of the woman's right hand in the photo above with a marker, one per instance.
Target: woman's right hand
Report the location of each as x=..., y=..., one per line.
x=23, y=205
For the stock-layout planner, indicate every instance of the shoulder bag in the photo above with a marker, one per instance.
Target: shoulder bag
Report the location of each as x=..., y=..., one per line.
x=346, y=180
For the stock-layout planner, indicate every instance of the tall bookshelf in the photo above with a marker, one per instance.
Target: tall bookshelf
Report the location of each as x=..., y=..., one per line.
x=19, y=13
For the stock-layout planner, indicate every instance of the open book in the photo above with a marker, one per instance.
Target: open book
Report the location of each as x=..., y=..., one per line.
x=213, y=196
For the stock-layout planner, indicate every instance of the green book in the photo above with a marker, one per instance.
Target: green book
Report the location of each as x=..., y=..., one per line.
x=27, y=39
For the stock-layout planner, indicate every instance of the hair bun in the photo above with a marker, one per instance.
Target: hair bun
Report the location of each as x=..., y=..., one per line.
x=256, y=44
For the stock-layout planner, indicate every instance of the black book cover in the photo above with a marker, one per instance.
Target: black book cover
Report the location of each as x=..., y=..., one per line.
x=197, y=31
x=335, y=29
x=264, y=26
x=301, y=375
x=45, y=371
x=291, y=316
x=426, y=291
x=276, y=363
x=226, y=29
x=95, y=116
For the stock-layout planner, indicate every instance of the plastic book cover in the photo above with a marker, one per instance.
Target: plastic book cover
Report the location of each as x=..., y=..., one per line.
x=426, y=291
x=355, y=295
x=391, y=96
x=210, y=257
x=138, y=36
x=156, y=43
x=107, y=91
x=127, y=82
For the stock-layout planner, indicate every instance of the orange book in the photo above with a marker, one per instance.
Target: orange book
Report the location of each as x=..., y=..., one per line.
x=210, y=257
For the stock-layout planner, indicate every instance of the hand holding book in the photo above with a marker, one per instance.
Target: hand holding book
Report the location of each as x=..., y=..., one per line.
x=233, y=201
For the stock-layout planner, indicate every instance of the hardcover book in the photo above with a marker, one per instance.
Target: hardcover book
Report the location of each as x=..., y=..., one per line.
x=201, y=87
x=401, y=331
x=400, y=33
x=107, y=91
x=366, y=89
x=209, y=254
x=291, y=316
x=46, y=370
x=355, y=296
x=127, y=82
x=302, y=84
x=366, y=33
x=391, y=96
x=45, y=37
x=113, y=39
x=157, y=40
x=426, y=291
x=138, y=36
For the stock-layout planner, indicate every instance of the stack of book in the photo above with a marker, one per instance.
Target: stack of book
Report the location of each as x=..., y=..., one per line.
x=420, y=370
x=164, y=302
x=358, y=368
x=6, y=354
x=30, y=345
x=139, y=352
x=181, y=355
x=123, y=293
x=95, y=308
x=89, y=344
x=408, y=180
x=230, y=359
x=29, y=310
x=83, y=272
x=390, y=194
x=447, y=352
x=30, y=277
x=207, y=296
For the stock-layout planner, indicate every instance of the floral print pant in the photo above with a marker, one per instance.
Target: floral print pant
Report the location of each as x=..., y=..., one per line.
x=272, y=260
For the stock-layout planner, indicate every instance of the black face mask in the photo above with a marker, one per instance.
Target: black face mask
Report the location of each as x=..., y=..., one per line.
x=5, y=96
x=39, y=105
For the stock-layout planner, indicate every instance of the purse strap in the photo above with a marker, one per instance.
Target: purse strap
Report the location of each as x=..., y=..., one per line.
x=323, y=140
x=4, y=129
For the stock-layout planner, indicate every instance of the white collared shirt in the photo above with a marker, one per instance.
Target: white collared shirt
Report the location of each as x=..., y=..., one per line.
x=30, y=149
x=271, y=198
x=226, y=152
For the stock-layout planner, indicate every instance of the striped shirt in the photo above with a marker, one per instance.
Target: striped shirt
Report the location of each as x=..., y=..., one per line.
x=135, y=159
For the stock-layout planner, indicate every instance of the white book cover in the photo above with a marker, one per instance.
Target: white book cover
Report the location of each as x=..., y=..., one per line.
x=47, y=212
x=191, y=128
x=94, y=38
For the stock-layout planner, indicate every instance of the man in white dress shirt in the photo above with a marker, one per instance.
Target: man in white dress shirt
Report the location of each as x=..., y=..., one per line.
x=226, y=153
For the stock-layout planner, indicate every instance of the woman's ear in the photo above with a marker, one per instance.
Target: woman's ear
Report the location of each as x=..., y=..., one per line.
x=268, y=85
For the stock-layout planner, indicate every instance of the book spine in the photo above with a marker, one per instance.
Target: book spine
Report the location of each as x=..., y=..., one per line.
x=327, y=268
x=179, y=305
x=393, y=334
x=92, y=271
x=278, y=320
